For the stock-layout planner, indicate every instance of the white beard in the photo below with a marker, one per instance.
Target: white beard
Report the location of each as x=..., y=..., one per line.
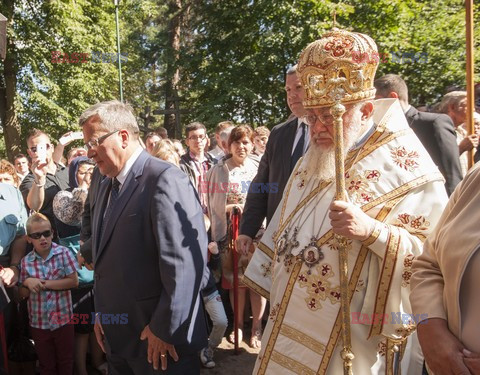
x=319, y=161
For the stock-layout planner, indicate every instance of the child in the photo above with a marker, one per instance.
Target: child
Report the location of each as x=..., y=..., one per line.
x=47, y=274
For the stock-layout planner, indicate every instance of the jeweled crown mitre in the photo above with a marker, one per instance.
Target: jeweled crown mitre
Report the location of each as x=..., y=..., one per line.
x=339, y=66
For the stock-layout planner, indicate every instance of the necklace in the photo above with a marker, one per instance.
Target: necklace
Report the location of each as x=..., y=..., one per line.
x=312, y=254
x=285, y=245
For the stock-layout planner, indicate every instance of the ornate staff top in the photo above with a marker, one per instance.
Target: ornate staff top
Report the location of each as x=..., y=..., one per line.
x=340, y=66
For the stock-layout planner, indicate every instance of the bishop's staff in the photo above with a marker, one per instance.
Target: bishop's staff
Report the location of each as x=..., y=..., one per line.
x=337, y=112
x=470, y=73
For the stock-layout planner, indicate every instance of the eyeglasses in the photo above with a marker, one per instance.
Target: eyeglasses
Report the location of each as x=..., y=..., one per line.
x=34, y=148
x=198, y=137
x=98, y=141
x=312, y=119
x=38, y=235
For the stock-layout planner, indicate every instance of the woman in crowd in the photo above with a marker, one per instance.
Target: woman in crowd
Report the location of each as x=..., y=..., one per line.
x=227, y=184
x=260, y=139
x=8, y=174
x=68, y=210
x=164, y=149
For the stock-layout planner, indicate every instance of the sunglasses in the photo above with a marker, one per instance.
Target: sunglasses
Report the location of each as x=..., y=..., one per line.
x=34, y=148
x=38, y=235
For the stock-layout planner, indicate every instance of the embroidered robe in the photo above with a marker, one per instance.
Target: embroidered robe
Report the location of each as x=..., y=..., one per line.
x=393, y=179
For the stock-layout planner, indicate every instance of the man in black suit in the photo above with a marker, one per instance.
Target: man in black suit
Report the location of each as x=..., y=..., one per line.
x=435, y=131
x=286, y=144
x=149, y=248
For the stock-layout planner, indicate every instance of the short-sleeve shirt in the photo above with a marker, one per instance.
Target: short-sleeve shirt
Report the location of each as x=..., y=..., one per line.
x=53, y=184
x=49, y=309
x=12, y=216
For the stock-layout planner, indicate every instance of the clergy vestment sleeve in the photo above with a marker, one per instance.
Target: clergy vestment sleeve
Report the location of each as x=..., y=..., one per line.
x=415, y=216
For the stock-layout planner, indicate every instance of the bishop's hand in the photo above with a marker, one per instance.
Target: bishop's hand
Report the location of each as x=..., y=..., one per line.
x=350, y=221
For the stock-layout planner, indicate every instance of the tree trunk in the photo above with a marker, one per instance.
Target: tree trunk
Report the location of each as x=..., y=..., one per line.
x=173, y=73
x=8, y=115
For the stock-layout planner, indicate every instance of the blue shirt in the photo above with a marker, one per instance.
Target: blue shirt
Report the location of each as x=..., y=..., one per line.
x=13, y=216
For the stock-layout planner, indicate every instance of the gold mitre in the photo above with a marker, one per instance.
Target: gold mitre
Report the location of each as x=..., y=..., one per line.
x=339, y=66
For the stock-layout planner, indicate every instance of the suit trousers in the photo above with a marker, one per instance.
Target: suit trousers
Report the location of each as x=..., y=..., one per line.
x=186, y=365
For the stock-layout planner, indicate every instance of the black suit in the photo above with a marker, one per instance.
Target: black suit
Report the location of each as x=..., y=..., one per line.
x=437, y=134
x=149, y=265
x=274, y=169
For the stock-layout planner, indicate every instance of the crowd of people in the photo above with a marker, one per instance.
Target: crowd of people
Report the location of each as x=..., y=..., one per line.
x=118, y=255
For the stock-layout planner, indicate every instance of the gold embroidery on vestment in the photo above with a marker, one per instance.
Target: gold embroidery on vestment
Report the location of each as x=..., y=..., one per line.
x=291, y=364
x=302, y=338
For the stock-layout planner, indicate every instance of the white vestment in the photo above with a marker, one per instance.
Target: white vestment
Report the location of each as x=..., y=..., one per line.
x=393, y=179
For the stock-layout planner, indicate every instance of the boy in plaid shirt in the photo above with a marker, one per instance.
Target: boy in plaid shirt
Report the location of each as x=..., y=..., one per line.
x=47, y=274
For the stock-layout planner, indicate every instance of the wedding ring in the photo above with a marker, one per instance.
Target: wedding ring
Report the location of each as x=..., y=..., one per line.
x=163, y=355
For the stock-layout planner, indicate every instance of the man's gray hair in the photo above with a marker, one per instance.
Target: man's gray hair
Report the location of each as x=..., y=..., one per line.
x=225, y=133
x=452, y=98
x=292, y=70
x=113, y=115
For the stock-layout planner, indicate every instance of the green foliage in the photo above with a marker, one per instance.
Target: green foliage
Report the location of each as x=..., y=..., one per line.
x=233, y=56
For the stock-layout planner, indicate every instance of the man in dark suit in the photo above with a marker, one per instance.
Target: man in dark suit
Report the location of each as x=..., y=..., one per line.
x=149, y=249
x=435, y=131
x=286, y=144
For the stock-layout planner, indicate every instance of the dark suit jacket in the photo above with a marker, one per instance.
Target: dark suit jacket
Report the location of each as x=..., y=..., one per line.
x=437, y=134
x=151, y=259
x=274, y=169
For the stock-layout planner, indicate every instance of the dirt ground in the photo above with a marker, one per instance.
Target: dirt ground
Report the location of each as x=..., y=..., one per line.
x=227, y=362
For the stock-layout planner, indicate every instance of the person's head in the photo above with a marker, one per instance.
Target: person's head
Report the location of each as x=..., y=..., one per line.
x=21, y=164
x=80, y=171
x=295, y=92
x=39, y=232
x=454, y=104
x=8, y=174
x=162, y=132
x=260, y=139
x=240, y=142
x=196, y=138
x=392, y=86
x=110, y=132
x=178, y=147
x=165, y=150
x=224, y=136
x=37, y=139
x=331, y=73
x=221, y=126
x=151, y=139
x=75, y=152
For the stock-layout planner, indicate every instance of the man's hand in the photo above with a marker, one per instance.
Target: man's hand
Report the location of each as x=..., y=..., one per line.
x=467, y=143
x=39, y=171
x=99, y=334
x=229, y=208
x=34, y=285
x=472, y=360
x=9, y=276
x=243, y=243
x=443, y=352
x=82, y=263
x=157, y=348
x=350, y=221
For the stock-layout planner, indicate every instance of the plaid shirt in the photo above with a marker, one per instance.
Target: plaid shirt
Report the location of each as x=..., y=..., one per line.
x=49, y=308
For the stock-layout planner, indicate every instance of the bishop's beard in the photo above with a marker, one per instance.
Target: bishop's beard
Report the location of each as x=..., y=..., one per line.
x=319, y=161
